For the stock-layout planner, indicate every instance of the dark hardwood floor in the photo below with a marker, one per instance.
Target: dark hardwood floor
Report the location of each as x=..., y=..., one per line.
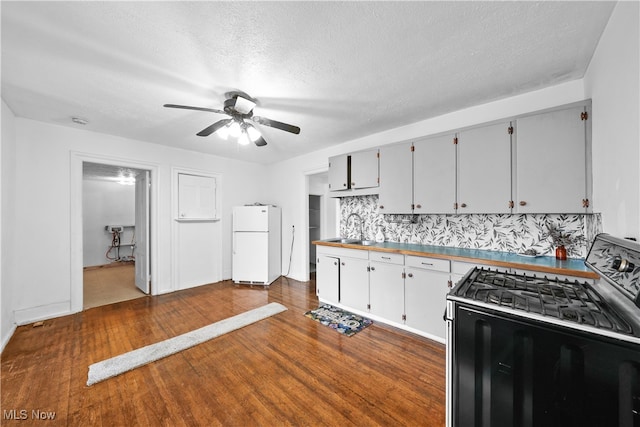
x=284, y=370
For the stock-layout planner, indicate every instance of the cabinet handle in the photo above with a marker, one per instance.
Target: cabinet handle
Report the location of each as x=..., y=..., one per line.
x=386, y=257
x=344, y=184
x=463, y=205
x=418, y=206
x=522, y=203
x=381, y=207
x=449, y=284
x=373, y=269
x=342, y=263
x=353, y=184
x=335, y=262
x=410, y=274
x=426, y=263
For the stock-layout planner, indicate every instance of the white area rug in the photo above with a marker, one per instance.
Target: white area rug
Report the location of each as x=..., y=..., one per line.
x=125, y=362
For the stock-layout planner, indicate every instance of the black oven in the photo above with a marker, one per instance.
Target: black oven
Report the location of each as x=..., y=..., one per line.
x=538, y=351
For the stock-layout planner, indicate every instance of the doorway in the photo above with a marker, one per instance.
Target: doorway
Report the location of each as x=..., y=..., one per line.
x=322, y=218
x=315, y=228
x=115, y=233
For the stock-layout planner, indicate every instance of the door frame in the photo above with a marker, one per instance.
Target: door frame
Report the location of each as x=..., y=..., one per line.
x=76, y=246
x=305, y=217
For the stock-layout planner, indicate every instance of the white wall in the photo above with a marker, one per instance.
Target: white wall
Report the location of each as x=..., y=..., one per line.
x=105, y=203
x=39, y=260
x=612, y=81
x=290, y=177
x=7, y=215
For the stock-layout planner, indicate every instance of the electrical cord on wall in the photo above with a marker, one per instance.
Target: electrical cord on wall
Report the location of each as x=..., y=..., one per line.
x=293, y=238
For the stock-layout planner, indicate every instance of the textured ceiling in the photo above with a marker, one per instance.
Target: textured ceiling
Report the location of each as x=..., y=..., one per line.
x=338, y=70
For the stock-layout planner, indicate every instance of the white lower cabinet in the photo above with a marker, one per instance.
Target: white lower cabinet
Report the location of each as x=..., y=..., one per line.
x=328, y=278
x=342, y=276
x=354, y=283
x=404, y=290
x=425, y=290
x=425, y=294
x=386, y=284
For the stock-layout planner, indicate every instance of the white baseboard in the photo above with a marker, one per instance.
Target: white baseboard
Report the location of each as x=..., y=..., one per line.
x=43, y=312
x=5, y=339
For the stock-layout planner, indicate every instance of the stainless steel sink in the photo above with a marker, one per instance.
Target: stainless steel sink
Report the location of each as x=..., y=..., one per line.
x=352, y=241
x=365, y=242
x=343, y=240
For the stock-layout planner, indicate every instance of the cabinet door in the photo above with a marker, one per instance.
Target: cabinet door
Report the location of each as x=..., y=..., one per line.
x=396, y=179
x=354, y=283
x=386, y=290
x=434, y=175
x=328, y=279
x=425, y=300
x=364, y=169
x=338, y=173
x=484, y=169
x=551, y=169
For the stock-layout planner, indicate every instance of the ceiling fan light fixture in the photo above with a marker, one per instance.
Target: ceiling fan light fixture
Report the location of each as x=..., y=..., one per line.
x=223, y=132
x=244, y=139
x=243, y=106
x=235, y=129
x=253, y=133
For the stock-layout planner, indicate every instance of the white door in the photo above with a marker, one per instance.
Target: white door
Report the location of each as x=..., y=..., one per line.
x=328, y=278
x=338, y=173
x=385, y=290
x=250, y=261
x=142, y=232
x=354, y=283
x=434, y=175
x=251, y=218
x=396, y=179
x=557, y=141
x=364, y=169
x=484, y=170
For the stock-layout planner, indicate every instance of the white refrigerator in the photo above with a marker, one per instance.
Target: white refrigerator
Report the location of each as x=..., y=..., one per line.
x=256, y=244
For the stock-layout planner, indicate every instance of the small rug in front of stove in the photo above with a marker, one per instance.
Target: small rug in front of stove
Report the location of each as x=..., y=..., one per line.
x=342, y=321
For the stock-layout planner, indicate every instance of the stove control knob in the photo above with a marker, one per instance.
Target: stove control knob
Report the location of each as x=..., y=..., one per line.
x=622, y=265
x=523, y=203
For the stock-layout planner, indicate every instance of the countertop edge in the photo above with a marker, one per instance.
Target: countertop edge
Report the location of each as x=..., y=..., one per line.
x=521, y=265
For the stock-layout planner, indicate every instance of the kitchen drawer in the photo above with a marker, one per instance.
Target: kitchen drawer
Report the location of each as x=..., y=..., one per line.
x=435, y=264
x=342, y=252
x=386, y=257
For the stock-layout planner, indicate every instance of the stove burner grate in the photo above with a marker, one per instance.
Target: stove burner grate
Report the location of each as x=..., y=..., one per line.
x=565, y=300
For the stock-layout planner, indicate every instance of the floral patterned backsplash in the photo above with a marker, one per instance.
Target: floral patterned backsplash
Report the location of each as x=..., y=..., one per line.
x=497, y=232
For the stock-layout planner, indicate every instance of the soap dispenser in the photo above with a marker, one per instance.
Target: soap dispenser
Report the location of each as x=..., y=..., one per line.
x=380, y=235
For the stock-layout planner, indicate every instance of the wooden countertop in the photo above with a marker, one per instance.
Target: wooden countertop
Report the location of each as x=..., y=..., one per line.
x=545, y=264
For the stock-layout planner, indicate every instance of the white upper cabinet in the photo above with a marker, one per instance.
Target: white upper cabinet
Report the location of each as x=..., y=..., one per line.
x=396, y=179
x=339, y=173
x=434, y=175
x=364, y=169
x=552, y=168
x=484, y=169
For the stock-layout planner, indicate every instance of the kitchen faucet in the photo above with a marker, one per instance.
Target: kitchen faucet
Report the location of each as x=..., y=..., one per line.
x=361, y=223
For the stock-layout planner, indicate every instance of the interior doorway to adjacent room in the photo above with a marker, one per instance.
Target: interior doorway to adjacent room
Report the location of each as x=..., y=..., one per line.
x=322, y=213
x=115, y=230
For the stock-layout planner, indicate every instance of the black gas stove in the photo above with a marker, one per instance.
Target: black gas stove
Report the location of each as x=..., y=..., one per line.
x=536, y=350
x=563, y=302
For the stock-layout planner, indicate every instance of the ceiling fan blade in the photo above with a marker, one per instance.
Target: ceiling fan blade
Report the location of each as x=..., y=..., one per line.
x=260, y=142
x=214, y=127
x=275, y=124
x=187, y=107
